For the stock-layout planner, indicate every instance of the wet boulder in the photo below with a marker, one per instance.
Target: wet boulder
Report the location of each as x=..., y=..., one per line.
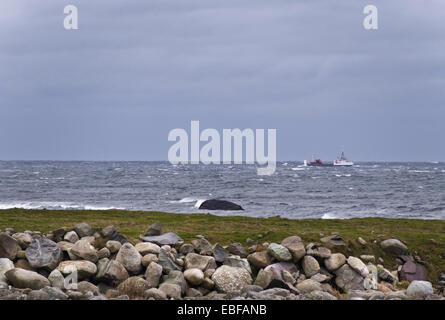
x=215, y=204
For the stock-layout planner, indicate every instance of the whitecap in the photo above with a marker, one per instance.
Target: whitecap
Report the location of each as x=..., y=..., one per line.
x=329, y=216
x=52, y=205
x=199, y=202
x=298, y=169
x=186, y=200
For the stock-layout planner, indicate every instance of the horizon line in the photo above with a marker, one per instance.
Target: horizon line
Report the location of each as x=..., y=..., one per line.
x=278, y=161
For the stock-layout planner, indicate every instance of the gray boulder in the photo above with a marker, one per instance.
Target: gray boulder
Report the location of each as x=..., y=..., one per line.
x=83, y=230
x=71, y=236
x=335, y=261
x=8, y=246
x=358, y=265
x=310, y=266
x=23, y=239
x=111, y=271
x=235, y=261
x=177, y=278
x=5, y=265
x=133, y=287
x=38, y=295
x=278, y=268
x=147, y=247
x=318, y=251
x=170, y=290
x=219, y=253
x=166, y=239
x=155, y=294
x=56, y=279
x=202, y=246
x=348, y=279
x=55, y=293
x=394, y=246
x=113, y=246
x=112, y=234
x=279, y=252
x=264, y=278
x=84, y=250
x=419, y=289
x=193, y=260
x=84, y=269
x=166, y=260
x=194, y=276
x=130, y=258
x=20, y=278
x=296, y=247
x=308, y=285
x=229, y=279
x=154, y=230
x=260, y=259
x=44, y=253
x=153, y=274
x=237, y=249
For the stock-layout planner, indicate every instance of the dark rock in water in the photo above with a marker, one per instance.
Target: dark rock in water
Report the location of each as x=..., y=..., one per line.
x=44, y=253
x=111, y=233
x=214, y=204
x=154, y=230
x=413, y=271
x=166, y=239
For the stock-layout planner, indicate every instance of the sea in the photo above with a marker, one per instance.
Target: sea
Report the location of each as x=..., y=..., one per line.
x=392, y=190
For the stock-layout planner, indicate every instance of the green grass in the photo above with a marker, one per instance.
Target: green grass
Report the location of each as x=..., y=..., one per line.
x=425, y=238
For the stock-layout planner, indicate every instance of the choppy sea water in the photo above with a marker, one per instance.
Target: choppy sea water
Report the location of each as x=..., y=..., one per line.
x=395, y=190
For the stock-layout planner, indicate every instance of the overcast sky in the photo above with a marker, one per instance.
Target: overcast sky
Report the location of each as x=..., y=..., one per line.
x=134, y=70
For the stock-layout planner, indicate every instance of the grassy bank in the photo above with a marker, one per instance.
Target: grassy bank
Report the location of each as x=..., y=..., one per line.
x=425, y=238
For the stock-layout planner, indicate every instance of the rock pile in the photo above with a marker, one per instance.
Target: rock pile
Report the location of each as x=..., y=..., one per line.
x=83, y=263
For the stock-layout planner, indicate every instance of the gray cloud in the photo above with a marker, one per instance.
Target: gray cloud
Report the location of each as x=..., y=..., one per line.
x=135, y=70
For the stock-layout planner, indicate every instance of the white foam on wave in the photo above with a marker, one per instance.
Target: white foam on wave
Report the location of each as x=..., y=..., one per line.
x=343, y=175
x=53, y=205
x=186, y=200
x=199, y=202
x=329, y=216
x=298, y=169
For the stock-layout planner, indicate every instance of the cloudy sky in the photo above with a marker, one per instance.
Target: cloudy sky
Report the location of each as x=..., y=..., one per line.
x=134, y=70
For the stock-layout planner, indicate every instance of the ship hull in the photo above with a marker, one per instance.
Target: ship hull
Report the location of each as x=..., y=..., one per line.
x=320, y=165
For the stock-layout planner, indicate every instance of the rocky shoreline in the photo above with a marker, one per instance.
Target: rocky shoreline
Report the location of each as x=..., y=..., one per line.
x=81, y=263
